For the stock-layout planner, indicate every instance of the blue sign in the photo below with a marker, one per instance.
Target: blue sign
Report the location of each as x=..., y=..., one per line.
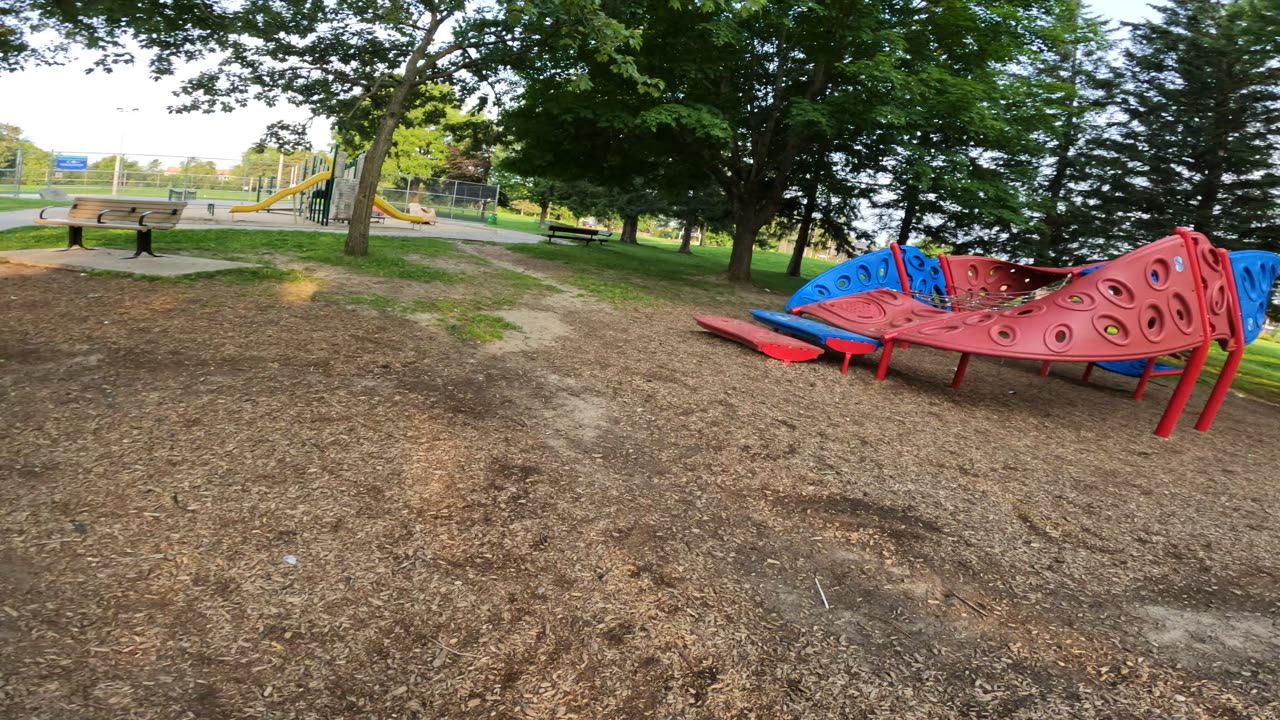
x=73, y=162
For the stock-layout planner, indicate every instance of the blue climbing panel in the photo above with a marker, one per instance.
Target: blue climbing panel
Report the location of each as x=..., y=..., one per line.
x=806, y=329
x=1134, y=368
x=926, y=277
x=1255, y=272
x=874, y=271
x=866, y=272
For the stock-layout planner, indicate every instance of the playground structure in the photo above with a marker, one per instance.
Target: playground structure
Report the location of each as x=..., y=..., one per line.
x=328, y=195
x=1172, y=297
x=324, y=197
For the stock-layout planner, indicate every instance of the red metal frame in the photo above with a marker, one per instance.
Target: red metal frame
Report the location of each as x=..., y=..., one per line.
x=849, y=348
x=1191, y=373
x=1232, y=364
x=903, y=277
x=886, y=352
x=945, y=262
x=1147, y=370
x=961, y=367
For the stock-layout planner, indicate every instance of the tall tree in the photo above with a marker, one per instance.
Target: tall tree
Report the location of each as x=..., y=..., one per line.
x=359, y=63
x=747, y=87
x=1196, y=125
x=1054, y=107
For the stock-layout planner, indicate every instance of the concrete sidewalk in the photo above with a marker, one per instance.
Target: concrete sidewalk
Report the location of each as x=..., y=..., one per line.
x=118, y=261
x=195, y=220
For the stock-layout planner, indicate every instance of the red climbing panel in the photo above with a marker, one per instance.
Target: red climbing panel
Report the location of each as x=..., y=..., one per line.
x=979, y=283
x=872, y=313
x=1219, y=291
x=775, y=345
x=1140, y=305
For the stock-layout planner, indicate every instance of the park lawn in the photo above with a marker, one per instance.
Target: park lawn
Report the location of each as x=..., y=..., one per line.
x=523, y=223
x=386, y=256
x=13, y=203
x=655, y=266
x=465, y=312
x=1259, y=373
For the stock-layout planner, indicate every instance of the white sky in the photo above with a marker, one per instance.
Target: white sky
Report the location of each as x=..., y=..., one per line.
x=63, y=109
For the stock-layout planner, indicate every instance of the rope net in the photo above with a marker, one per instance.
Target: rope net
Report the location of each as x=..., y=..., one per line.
x=971, y=300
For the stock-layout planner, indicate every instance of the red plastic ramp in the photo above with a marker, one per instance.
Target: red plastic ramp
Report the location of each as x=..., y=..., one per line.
x=775, y=345
x=873, y=313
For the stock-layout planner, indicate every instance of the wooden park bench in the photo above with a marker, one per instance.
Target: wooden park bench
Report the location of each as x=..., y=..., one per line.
x=110, y=213
x=568, y=232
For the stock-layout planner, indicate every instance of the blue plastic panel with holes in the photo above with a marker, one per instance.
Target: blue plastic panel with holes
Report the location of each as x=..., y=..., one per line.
x=873, y=271
x=928, y=284
x=1255, y=272
x=1133, y=368
x=807, y=329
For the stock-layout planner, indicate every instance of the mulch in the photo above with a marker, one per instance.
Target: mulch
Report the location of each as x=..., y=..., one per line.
x=226, y=501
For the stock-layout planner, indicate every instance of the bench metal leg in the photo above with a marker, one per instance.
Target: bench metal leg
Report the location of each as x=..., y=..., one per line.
x=144, y=245
x=75, y=238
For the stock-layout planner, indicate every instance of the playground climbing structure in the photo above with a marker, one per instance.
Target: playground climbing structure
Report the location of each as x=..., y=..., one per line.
x=1172, y=297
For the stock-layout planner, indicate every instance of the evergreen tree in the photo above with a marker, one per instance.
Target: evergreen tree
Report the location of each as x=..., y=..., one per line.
x=1062, y=103
x=1194, y=133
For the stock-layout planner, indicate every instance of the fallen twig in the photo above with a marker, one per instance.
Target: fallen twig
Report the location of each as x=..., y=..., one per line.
x=825, y=604
x=964, y=600
x=455, y=652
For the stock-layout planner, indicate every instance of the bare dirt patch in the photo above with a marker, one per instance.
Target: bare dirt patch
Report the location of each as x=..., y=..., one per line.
x=632, y=521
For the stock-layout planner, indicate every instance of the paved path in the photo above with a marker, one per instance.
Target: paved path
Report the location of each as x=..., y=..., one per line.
x=447, y=229
x=119, y=261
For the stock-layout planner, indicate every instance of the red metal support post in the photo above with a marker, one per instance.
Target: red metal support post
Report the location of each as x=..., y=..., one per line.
x=1146, y=377
x=1191, y=373
x=1232, y=364
x=961, y=367
x=1044, y=368
x=902, y=268
x=886, y=352
x=1088, y=370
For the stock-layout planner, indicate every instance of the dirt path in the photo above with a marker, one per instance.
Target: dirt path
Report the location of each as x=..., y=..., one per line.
x=218, y=502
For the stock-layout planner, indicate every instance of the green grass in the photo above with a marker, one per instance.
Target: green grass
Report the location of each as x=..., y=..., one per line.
x=523, y=223
x=479, y=327
x=656, y=271
x=385, y=258
x=1259, y=373
x=13, y=203
x=461, y=318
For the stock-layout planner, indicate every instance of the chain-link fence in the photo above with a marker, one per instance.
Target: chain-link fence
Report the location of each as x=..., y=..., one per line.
x=148, y=175
x=451, y=199
x=231, y=180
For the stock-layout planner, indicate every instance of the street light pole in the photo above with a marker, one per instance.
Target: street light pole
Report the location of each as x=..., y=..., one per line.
x=115, y=178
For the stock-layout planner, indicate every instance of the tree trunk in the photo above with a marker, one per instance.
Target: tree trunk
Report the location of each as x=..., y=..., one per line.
x=686, y=237
x=371, y=171
x=748, y=218
x=630, y=226
x=912, y=199
x=702, y=234
x=802, y=237
x=545, y=208
x=744, y=243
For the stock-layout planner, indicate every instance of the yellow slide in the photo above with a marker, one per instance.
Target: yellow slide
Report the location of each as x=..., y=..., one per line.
x=282, y=194
x=391, y=210
x=382, y=204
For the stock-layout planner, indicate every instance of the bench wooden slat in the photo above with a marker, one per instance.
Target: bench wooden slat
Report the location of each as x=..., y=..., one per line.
x=104, y=226
x=141, y=216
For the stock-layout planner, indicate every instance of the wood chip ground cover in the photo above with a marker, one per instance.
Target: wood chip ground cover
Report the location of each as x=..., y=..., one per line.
x=225, y=500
